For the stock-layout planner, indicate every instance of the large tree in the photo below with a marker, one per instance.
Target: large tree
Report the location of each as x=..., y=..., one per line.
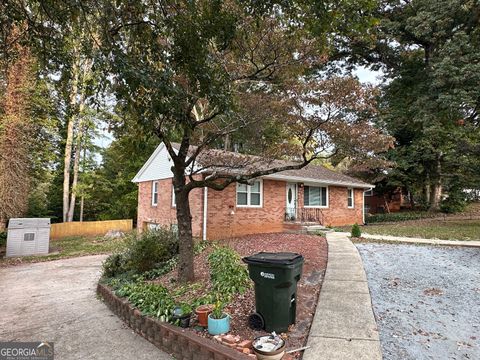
x=199, y=71
x=430, y=51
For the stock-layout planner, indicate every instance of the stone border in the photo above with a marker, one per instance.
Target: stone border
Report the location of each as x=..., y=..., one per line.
x=183, y=345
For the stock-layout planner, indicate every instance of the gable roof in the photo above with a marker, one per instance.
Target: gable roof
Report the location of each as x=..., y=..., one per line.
x=231, y=163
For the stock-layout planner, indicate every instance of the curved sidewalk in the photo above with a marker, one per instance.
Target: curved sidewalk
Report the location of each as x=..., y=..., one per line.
x=344, y=326
x=413, y=240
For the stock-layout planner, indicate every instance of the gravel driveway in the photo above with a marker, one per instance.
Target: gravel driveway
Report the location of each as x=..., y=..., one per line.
x=426, y=300
x=56, y=301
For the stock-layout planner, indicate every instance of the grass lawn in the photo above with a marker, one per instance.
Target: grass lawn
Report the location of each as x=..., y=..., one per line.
x=68, y=247
x=429, y=229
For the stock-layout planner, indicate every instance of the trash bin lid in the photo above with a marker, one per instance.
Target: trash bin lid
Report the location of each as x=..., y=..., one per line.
x=279, y=258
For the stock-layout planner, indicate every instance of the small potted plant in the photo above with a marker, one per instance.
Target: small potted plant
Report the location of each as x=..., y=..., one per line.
x=218, y=321
x=181, y=315
x=202, y=314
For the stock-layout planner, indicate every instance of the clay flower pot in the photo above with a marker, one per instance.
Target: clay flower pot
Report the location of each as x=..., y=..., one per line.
x=202, y=313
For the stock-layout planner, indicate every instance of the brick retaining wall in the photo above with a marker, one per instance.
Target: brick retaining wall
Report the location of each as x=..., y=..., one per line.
x=182, y=344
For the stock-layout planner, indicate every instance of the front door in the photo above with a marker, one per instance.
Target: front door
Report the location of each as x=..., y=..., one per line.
x=291, y=206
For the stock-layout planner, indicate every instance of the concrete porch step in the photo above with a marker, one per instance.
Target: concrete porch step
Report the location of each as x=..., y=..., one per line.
x=303, y=228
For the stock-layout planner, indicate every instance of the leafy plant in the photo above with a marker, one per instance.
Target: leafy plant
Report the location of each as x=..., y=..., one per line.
x=217, y=312
x=150, y=299
x=114, y=265
x=229, y=276
x=454, y=203
x=148, y=249
x=356, y=231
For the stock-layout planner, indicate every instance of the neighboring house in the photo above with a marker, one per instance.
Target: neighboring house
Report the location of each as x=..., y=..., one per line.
x=273, y=203
x=392, y=201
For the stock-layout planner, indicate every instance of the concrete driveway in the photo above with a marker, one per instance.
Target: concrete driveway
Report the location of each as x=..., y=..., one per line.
x=56, y=301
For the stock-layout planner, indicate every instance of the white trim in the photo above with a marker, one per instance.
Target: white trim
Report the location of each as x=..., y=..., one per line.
x=368, y=192
x=353, y=198
x=248, y=196
x=174, y=203
x=317, y=206
x=363, y=206
x=318, y=182
x=154, y=191
x=205, y=208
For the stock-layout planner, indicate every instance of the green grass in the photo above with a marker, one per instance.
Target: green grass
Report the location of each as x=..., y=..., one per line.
x=69, y=247
x=429, y=229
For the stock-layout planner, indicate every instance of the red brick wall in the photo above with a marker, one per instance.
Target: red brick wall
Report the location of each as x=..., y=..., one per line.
x=338, y=213
x=164, y=213
x=225, y=219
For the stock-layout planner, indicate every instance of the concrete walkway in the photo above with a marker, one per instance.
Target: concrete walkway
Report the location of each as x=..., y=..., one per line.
x=56, y=301
x=344, y=326
x=467, y=243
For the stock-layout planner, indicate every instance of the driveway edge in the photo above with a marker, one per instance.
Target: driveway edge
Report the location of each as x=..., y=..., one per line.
x=344, y=325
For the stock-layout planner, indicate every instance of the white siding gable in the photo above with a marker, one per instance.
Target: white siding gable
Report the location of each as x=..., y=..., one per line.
x=157, y=167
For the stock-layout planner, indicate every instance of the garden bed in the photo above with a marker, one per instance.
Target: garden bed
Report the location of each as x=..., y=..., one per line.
x=313, y=248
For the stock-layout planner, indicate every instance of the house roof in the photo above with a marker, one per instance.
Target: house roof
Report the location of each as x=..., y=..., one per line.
x=233, y=163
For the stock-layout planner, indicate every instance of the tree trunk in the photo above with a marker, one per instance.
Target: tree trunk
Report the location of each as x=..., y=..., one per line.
x=76, y=167
x=73, y=193
x=69, y=142
x=185, y=239
x=82, y=200
x=436, y=188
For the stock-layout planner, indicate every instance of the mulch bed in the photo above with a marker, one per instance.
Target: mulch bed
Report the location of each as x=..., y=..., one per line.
x=314, y=250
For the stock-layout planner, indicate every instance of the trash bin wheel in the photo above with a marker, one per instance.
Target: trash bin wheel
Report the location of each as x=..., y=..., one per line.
x=256, y=322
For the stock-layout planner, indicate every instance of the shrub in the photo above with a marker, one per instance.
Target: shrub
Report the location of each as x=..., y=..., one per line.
x=114, y=265
x=229, y=276
x=142, y=253
x=3, y=238
x=454, y=203
x=399, y=216
x=149, y=249
x=356, y=233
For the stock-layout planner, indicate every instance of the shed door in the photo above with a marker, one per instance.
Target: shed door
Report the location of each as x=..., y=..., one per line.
x=29, y=242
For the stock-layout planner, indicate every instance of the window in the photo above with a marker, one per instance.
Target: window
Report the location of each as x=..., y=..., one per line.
x=350, y=198
x=249, y=195
x=368, y=192
x=28, y=236
x=315, y=196
x=154, y=193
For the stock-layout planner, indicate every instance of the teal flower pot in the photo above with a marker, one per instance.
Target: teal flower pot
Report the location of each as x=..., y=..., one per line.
x=218, y=326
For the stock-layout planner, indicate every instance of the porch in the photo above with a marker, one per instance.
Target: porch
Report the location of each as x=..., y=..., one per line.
x=303, y=215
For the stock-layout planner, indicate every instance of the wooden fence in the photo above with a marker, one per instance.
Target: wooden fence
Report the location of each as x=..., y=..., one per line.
x=89, y=228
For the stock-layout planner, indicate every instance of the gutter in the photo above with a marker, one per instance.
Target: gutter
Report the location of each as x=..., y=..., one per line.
x=363, y=207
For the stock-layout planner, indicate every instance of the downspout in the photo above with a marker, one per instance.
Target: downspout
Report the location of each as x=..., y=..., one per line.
x=205, y=207
x=363, y=205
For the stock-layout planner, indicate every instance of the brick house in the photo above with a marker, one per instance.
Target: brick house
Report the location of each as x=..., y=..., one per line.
x=273, y=203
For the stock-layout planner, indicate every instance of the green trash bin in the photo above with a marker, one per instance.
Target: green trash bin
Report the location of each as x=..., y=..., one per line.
x=275, y=276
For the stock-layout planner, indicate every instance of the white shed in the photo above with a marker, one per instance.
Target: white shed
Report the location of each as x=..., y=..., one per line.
x=28, y=237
